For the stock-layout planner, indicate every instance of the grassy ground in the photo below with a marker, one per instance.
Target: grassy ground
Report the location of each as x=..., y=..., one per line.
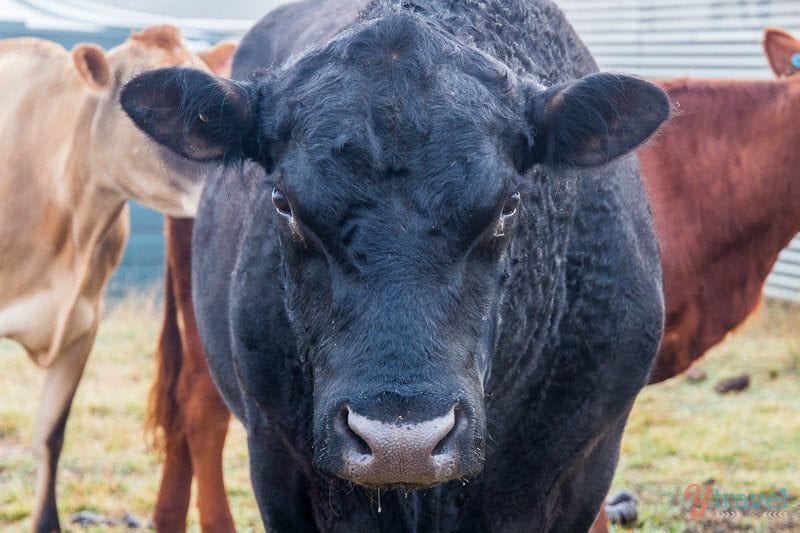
x=106, y=465
x=679, y=433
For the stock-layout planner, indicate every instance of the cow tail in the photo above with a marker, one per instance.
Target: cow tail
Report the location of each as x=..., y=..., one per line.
x=162, y=413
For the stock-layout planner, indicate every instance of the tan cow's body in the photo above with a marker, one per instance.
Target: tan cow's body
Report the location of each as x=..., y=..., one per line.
x=61, y=235
x=69, y=161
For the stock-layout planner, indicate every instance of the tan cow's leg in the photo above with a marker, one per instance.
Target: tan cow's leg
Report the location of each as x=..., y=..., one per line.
x=60, y=385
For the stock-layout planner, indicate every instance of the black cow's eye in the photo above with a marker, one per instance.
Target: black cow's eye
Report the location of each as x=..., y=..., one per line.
x=511, y=205
x=281, y=203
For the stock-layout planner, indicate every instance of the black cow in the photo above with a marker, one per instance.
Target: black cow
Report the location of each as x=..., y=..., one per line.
x=435, y=307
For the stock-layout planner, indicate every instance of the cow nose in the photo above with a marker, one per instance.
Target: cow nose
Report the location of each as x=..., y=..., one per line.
x=420, y=453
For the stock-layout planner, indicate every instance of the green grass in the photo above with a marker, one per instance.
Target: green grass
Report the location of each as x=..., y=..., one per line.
x=679, y=433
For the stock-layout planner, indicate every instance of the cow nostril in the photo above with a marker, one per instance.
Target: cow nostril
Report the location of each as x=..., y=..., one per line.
x=349, y=436
x=449, y=442
x=404, y=451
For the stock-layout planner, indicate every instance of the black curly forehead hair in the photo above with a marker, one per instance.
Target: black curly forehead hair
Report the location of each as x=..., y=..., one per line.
x=386, y=86
x=400, y=83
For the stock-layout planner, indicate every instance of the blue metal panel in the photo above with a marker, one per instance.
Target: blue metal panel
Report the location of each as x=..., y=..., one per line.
x=107, y=39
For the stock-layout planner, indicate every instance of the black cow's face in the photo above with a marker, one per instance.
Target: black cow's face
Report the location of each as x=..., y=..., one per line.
x=398, y=160
x=392, y=250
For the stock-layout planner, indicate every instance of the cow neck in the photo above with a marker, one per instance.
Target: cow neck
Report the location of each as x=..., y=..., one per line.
x=97, y=205
x=95, y=210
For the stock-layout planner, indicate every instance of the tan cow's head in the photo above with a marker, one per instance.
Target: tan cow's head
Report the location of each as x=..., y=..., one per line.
x=783, y=52
x=123, y=158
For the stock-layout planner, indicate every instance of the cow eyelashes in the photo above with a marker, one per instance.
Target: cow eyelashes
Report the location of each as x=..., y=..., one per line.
x=281, y=203
x=511, y=205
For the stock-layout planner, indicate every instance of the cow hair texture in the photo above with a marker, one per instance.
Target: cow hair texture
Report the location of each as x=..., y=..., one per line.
x=440, y=215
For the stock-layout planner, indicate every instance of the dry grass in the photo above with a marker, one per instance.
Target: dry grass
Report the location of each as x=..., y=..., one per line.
x=106, y=466
x=679, y=433
x=749, y=442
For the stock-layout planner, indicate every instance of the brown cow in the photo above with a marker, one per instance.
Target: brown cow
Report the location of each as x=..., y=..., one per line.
x=185, y=406
x=722, y=179
x=783, y=52
x=723, y=184
x=184, y=403
x=69, y=161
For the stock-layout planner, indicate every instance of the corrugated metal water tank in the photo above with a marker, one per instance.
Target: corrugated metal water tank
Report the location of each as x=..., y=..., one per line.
x=701, y=38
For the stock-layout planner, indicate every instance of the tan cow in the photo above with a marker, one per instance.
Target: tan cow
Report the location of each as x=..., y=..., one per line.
x=69, y=161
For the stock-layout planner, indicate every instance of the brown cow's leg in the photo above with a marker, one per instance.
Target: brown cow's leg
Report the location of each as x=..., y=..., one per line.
x=176, y=485
x=195, y=449
x=165, y=414
x=204, y=415
x=60, y=385
x=600, y=524
x=193, y=415
x=206, y=418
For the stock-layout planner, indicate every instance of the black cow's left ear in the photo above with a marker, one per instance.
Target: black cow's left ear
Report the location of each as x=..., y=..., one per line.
x=196, y=114
x=594, y=120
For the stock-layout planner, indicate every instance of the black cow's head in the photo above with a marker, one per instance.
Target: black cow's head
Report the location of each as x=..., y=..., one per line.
x=399, y=161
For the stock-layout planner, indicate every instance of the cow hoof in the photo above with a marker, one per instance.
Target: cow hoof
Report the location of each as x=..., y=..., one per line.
x=621, y=508
x=736, y=384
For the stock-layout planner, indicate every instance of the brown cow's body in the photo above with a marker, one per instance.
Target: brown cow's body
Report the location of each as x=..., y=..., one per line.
x=185, y=404
x=723, y=178
x=69, y=161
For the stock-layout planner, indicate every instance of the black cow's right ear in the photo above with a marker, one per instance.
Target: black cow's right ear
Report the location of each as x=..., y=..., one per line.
x=197, y=115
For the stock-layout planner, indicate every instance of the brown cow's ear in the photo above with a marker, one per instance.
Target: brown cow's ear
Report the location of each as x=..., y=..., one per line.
x=783, y=52
x=219, y=58
x=593, y=120
x=92, y=65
